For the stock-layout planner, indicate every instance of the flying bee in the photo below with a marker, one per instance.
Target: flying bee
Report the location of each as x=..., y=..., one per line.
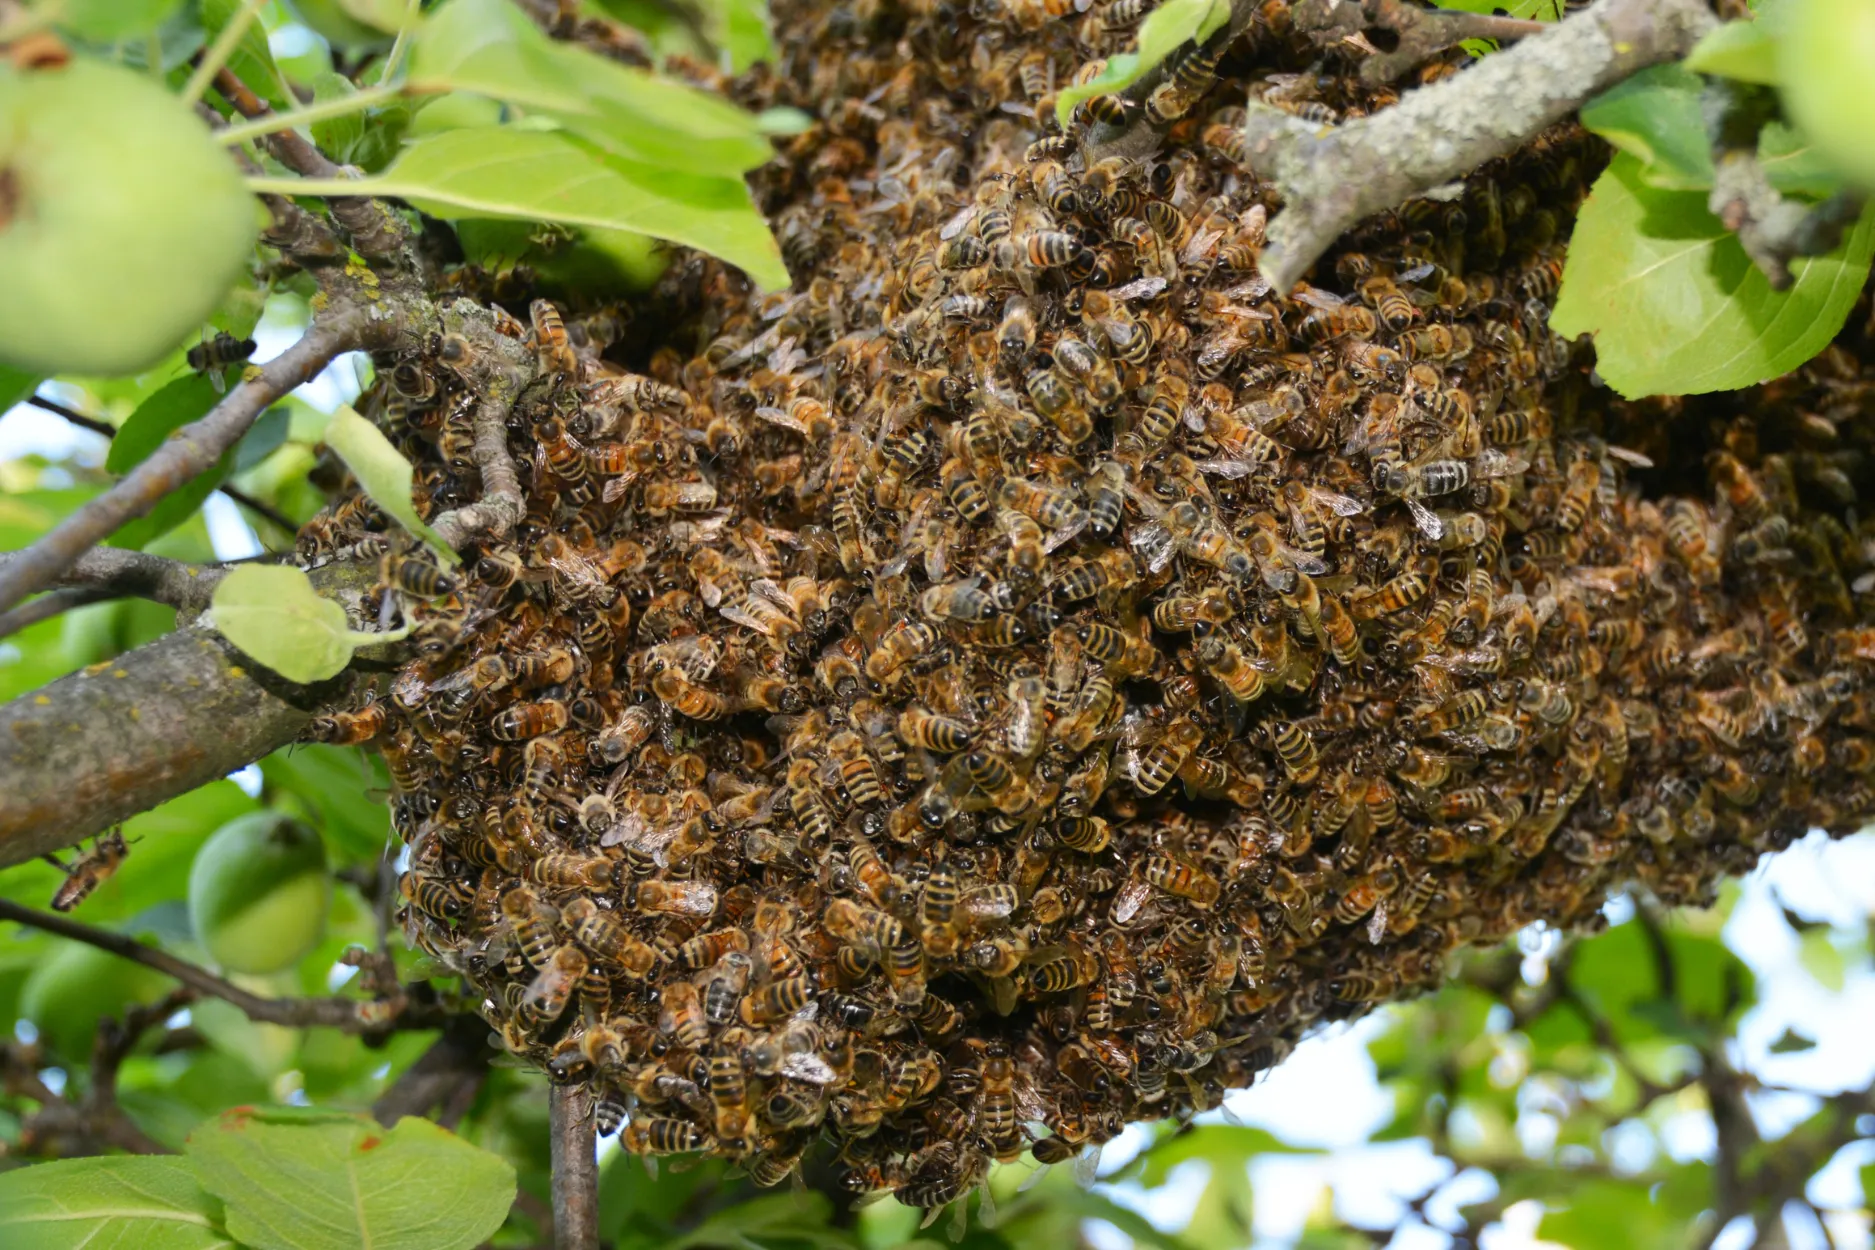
x=89, y=870
x=213, y=355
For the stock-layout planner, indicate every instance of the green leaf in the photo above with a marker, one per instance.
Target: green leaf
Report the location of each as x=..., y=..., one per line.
x=186, y=399
x=1794, y=165
x=489, y=46
x=383, y=473
x=1655, y=116
x=368, y=138
x=16, y=387
x=1868, y=1185
x=335, y=784
x=740, y=28
x=174, y=508
x=1676, y=306
x=112, y=21
x=1617, y=1215
x=272, y=612
x=1745, y=50
x=1168, y=26
x=542, y=176
x=266, y=436
x=312, y=1181
x=1529, y=10
x=251, y=60
x=146, y=1203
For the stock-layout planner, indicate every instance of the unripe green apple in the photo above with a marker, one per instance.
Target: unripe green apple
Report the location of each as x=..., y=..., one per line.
x=122, y=221
x=258, y=892
x=1826, y=64
x=77, y=986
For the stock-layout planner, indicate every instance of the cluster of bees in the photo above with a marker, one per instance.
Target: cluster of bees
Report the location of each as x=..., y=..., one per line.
x=1023, y=677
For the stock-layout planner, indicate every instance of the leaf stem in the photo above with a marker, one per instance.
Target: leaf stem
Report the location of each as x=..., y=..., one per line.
x=262, y=185
x=392, y=61
x=358, y=102
x=219, y=51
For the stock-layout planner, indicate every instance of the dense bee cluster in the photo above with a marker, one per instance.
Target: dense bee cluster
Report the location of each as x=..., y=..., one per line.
x=1019, y=680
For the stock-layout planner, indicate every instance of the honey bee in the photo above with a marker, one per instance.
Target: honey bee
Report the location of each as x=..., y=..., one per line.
x=529, y=720
x=212, y=356
x=548, y=994
x=663, y=1135
x=416, y=577
x=1153, y=760
x=89, y=870
x=606, y=939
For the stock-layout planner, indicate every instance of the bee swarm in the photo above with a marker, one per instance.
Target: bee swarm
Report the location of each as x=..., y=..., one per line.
x=1022, y=678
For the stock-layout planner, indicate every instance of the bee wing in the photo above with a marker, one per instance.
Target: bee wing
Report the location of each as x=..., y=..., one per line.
x=1377, y=923
x=1630, y=456
x=748, y=620
x=1315, y=297
x=1200, y=246
x=768, y=590
x=1256, y=288
x=1415, y=272
x=1494, y=463
x=1313, y=565
x=694, y=898
x=958, y=220
x=1087, y=1165
x=1155, y=543
x=1062, y=535
x=1139, y=288
x=1340, y=505
x=805, y=1065
x=1129, y=899
x=1232, y=467
x=1426, y=520
x=782, y=418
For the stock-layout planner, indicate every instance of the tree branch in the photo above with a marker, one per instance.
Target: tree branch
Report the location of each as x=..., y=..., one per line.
x=575, y=1170
x=348, y=1015
x=138, y=574
x=499, y=370
x=449, y=1073
x=190, y=451
x=1333, y=177
x=100, y=745
x=1421, y=32
x=374, y=228
x=78, y=419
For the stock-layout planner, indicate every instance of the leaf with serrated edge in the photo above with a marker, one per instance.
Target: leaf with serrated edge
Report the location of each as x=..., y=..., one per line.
x=109, y=1204
x=546, y=176
x=319, y=1181
x=272, y=612
x=383, y=473
x=1168, y=26
x=1675, y=305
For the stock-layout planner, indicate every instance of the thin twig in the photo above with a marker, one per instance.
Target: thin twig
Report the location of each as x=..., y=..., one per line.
x=78, y=419
x=575, y=1169
x=1332, y=177
x=219, y=51
x=190, y=451
x=52, y=603
x=345, y=1014
x=260, y=508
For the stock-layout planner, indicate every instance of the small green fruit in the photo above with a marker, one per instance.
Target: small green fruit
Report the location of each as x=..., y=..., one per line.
x=1826, y=61
x=258, y=893
x=79, y=985
x=122, y=222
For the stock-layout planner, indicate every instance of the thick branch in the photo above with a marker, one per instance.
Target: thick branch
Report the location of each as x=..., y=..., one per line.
x=575, y=1170
x=190, y=451
x=345, y=1014
x=103, y=744
x=138, y=574
x=498, y=370
x=1333, y=177
x=1421, y=32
